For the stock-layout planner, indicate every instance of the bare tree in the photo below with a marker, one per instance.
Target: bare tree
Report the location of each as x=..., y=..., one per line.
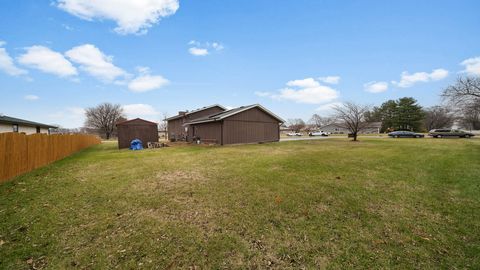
x=438, y=117
x=163, y=124
x=295, y=124
x=464, y=95
x=318, y=121
x=465, y=90
x=352, y=116
x=104, y=117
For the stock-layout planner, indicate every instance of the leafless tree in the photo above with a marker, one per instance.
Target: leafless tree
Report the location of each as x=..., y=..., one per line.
x=352, y=116
x=104, y=117
x=464, y=96
x=295, y=124
x=318, y=121
x=438, y=117
x=163, y=124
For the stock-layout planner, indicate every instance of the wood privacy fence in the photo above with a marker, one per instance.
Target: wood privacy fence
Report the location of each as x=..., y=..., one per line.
x=20, y=153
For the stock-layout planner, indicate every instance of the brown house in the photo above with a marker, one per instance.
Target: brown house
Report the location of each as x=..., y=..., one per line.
x=175, y=125
x=137, y=128
x=246, y=124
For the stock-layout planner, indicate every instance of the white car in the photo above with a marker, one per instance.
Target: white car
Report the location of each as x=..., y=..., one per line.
x=294, y=134
x=318, y=133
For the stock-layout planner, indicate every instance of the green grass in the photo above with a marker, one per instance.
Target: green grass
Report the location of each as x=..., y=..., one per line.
x=373, y=204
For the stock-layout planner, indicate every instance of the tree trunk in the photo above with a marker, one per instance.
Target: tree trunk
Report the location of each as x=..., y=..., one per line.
x=355, y=136
x=107, y=134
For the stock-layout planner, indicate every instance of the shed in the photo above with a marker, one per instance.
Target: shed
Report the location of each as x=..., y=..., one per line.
x=137, y=128
x=246, y=124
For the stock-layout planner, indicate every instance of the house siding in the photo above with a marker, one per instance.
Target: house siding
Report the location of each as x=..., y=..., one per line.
x=176, y=129
x=208, y=132
x=251, y=126
x=21, y=129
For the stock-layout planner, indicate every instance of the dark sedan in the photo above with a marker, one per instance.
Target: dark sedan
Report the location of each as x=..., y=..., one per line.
x=439, y=133
x=405, y=134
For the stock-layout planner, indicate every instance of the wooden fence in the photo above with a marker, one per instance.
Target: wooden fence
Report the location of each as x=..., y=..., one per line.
x=20, y=153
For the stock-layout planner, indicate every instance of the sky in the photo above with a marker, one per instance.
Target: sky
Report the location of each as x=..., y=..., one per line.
x=295, y=57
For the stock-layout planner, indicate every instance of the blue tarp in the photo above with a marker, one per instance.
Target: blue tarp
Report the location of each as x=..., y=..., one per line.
x=136, y=144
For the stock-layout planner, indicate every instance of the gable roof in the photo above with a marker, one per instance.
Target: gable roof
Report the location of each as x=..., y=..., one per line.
x=18, y=121
x=196, y=110
x=137, y=119
x=226, y=114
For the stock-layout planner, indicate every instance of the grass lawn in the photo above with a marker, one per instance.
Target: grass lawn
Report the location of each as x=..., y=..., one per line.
x=377, y=203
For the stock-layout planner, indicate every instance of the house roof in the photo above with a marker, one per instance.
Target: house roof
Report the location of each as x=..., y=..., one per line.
x=195, y=111
x=226, y=114
x=18, y=121
x=137, y=119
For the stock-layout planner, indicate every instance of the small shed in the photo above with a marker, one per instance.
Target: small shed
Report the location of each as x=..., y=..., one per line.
x=137, y=128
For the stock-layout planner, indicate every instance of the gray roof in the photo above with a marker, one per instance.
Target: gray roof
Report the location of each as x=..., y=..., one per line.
x=195, y=111
x=18, y=121
x=225, y=114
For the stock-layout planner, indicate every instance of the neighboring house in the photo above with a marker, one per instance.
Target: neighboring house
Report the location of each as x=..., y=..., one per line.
x=11, y=124
x=339, y=128
x=246, y=124
x=175, y=124
x=137, y=128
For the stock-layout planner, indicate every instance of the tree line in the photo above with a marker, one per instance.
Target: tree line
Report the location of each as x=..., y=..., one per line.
x=461, y=105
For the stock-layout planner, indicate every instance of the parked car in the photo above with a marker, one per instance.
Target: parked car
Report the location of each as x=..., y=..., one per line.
x=439, y=133
x=405, y=134
x=294, y=134
x=317, y=133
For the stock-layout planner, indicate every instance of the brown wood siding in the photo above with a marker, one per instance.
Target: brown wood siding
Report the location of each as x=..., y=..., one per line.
x=211, y=132
x=136, y=130
x=175, y=128
x=251, y=126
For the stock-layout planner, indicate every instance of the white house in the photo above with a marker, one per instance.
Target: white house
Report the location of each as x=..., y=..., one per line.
x=11, y=124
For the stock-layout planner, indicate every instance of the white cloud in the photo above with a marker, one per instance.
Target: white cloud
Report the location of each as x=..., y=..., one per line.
x=408, y=80
x=7, y=65
x=145, y=83
x=95, y=62
x=306, y=90
x=472, y=66
x=198, y=51
x=31, y=97
x=139, y=110
x=201, y=49
x=132, y=17
x=330, y=79
x=305, y=83
x=48, y=61
x=376, y=87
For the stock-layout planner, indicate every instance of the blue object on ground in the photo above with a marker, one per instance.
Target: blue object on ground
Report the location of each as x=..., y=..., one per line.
x=136, y=144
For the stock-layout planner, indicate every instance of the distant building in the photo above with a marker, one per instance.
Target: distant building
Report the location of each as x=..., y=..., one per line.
x=11, y=124
x=339, y=128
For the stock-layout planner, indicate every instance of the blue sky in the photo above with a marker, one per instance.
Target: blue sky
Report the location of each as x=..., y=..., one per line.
x=296, y=58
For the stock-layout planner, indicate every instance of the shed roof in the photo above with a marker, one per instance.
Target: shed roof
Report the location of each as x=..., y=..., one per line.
x=195, y=111
x=138, y=120
x=226, y=114
x=13, y=120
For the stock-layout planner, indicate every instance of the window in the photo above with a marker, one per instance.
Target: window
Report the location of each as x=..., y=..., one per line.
x=38, y=129
x=15, y=128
